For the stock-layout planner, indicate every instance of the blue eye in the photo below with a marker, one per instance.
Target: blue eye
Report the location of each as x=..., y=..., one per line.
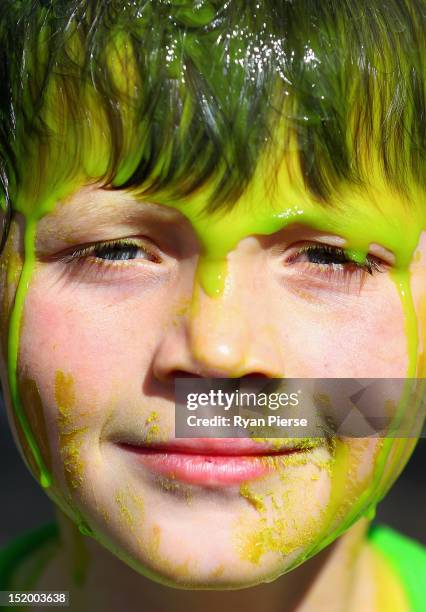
x=109, y=252
x=325, y=255
x=334, y=257
x=113, y=252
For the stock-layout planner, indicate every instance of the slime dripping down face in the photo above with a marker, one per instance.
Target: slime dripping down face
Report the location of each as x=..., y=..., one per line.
x=126, y=294
x=113, y=288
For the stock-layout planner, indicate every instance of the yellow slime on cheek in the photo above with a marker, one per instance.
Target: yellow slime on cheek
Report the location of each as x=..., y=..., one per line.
x=70, y=436
x=361, y=221
x=133, y=517
x=32, y=214
x=377, y=216
x=153, y=431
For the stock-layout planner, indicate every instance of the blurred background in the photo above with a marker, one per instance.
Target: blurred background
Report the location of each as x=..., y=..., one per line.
x=24, y=505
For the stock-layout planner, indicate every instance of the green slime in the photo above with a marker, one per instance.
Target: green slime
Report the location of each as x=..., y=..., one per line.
x=373, y=216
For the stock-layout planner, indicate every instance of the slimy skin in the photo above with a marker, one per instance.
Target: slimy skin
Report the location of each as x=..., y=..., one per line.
x=68, y=405
x=220, y=233
x=218, y=236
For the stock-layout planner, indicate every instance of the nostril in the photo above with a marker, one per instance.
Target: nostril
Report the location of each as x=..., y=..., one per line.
x=183, y=374
x=256, y=376
x=246, y=377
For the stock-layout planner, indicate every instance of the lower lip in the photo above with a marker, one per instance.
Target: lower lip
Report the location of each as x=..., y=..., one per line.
x=205, y=470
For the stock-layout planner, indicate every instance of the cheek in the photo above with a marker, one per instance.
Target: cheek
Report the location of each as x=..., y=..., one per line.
x=85, y=354
x=354, y=337
x=101, y=343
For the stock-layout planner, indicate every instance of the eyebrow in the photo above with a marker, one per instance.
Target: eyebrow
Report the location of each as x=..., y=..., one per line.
x=77, y=215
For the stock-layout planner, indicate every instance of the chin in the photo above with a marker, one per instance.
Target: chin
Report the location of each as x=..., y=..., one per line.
x=192, y=573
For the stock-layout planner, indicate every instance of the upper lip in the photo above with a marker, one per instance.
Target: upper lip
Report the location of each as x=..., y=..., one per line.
x=219, y=446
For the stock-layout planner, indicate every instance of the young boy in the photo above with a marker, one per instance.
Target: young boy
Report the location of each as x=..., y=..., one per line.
x=209, y=190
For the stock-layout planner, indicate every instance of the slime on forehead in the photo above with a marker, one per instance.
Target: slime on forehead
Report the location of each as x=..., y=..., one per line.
x=360, y=217
x=360, y=220
x=362, y=224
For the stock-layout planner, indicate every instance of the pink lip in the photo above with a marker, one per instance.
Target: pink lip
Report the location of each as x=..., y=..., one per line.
x=208, y=461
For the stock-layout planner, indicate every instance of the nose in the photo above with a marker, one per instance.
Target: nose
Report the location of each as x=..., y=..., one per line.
x=224, y=336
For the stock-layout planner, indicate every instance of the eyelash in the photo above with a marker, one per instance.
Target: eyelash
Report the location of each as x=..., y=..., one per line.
x=371, y=265
x=81, y=255
x=344, y=269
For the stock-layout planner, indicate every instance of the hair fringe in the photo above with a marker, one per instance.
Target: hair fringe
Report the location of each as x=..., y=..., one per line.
x=207, y=84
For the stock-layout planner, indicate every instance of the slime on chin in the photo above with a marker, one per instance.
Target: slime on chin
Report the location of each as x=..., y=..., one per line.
x=359, y=217
x=219, y=235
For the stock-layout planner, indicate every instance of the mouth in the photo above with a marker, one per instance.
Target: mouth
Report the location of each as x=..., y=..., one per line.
x=212, y=461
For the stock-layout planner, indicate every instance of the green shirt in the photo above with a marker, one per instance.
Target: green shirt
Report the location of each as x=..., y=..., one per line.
x=42, y=540
x=407, y=557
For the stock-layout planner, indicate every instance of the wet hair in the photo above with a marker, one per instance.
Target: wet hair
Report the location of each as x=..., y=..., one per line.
x=186, y=94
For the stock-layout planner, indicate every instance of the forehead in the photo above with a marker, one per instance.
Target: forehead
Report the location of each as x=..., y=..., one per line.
x=90, y=208
x=361, y=216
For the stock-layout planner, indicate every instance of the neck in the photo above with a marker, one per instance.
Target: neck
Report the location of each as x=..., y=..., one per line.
x=97, y=579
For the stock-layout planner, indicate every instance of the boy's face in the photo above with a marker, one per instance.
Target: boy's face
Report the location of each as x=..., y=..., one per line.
x=103, y=337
